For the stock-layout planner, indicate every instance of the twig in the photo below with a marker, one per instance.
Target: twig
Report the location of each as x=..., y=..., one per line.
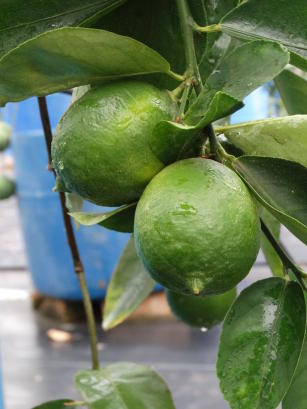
x=71, y=239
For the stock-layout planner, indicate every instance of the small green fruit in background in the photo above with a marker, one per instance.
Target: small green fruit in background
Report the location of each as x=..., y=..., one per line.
x=101, y=151
x=5, y=135
x=7, y=187
x=196, y=228
x=202, y=312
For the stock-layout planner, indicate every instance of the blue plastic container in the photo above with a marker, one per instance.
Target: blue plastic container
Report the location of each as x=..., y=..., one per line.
x=49, y=259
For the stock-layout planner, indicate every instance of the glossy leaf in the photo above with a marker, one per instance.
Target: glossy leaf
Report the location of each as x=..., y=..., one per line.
x=5, y=135
x=297, y=392
x=284, y=137
x=124, y=386
x=130, y=285
x=278, y=20
x=56, y=404
x=216, y=105
x=293, y=91
x=280, y=186
x=260, y=344
x=169, y=140
x=270, y=254
x=120, y=219
x=20, y=22
x=242, y=71
x=69, y=57
x=138, y=19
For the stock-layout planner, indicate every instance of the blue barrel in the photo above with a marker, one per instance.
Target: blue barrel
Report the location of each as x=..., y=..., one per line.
x=49, y=259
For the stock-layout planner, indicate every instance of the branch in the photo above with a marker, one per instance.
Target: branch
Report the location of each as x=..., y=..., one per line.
x=286, y=259
x=71, y=239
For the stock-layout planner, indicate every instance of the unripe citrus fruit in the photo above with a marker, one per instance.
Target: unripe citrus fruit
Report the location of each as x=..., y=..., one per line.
x=196, y=227
x=101, y=150
x=200, y=311
x=7, y=187
x=5, y=135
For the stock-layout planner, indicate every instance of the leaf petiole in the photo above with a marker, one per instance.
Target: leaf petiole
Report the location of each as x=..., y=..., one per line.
x=213, y=28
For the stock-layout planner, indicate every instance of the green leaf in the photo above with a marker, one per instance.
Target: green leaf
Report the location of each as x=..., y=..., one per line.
x=214, y=106
x=281, y=21
x=20, y=22
x=169, y=140
x=130, y=285
x=270, y=254
x=284, y=137
x=280, y=186
x=124, y=386
x=138, y=19
x=242, y=71
x=69, y=57
x=293, y=92
x=260, y=344
x=120, y=219
x=56, y=404
x=297, y=392
x=5, y=135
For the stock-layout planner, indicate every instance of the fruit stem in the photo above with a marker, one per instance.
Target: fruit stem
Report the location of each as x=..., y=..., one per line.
x=184, y=98
x=213, y=28
x=187, y=24
x=71, y=239
x=286, y=259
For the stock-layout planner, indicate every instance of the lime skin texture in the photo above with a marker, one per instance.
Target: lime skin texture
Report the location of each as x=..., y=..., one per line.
x=101, y=150
x=202, y=312
x=7, y=187
x=196, y=228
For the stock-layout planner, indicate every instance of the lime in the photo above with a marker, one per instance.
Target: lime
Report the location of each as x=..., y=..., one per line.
x=203, y=312
x=101, y=150
x=5, y=135
x=196, y=227
x=7, y=187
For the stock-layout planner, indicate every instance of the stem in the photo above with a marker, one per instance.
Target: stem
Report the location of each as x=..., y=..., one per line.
x=286, y=259
x=187, y=23
x=71, y=239
x=213, y=28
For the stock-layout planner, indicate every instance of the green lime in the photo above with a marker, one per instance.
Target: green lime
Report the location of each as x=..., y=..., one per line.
x=203, y=312
x=7, y=187
x=5, y=135
x=196, y=228
x=101, y=150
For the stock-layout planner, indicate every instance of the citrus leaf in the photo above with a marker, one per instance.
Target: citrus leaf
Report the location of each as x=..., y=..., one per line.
x=215, y=106
x=170, y=139
x=138, y=19
x=281, y=21
x=280, y=186
x=297, y=390
x=56, y=404
x=270, y=254
x=69, y=57
x=293, y=92
x=19, y=23
x=242, y=71
x=129, y=286
x=5, y=135
x=284, y=137
x=120, y=219
x=124, y=385
x=260, y=344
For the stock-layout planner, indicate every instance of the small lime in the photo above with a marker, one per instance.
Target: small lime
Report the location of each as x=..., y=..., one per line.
x=202, y=312
x=7, y=187
x=196, y=227
x=101, y=149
